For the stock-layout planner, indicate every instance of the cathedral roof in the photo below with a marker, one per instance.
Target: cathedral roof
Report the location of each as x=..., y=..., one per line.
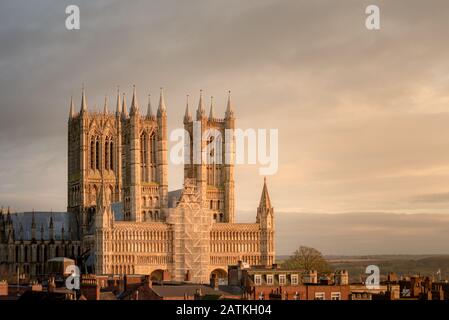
x=41, y=218
x=181, y=290
x=90, y=261
x=173, y=197
x=117, y=210
x=83, y=100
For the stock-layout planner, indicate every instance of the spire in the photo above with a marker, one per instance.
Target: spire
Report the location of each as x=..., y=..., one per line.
x=21, y=231
x=265, y=197
x=72, y=108
x=51, y=229
x=102, y=199
x=124, y=109
x=42, y=231
x=33, y=221
x=83, y=100
x=187, y=116
x=104, y=213
x=117, y=111
x=149, y=111
x=33, y=227
x=211, y=112
x=8, y=216
x=200, y=111
x=161, y=108
x=69, y=235
x=105, y=107
x=62, y=232
x=134, y=103
x=51, y=225
x=229, y=108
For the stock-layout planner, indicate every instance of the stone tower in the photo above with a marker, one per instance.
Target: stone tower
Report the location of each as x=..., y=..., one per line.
x=127, y=152
x=211, y=155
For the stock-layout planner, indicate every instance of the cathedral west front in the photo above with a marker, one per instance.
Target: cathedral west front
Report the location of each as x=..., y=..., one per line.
x=121, y=217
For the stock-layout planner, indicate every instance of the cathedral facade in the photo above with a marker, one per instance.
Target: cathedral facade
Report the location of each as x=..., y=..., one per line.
x=121, y=217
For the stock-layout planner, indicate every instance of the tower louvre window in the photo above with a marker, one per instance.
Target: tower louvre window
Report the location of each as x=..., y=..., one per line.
x=153, y=157
x=92, y=154
x=97, y=155
x=106, y=154
x=111, y=154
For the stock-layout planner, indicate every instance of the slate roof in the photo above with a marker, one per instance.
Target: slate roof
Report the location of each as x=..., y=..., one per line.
x=117, y=209
x=173, y=197
x=190, y=290
x=40, y=218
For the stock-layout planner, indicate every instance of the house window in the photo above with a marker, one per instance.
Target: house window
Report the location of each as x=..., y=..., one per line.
x=335, y=296
x=257, y=280
x=282, y=279
x=319, y=296
x=294, y=279
x=269, y=279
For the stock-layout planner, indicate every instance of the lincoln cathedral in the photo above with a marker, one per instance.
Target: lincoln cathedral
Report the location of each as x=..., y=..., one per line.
x=121, y=217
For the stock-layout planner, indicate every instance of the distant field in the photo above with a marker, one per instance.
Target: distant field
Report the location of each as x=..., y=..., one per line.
x=426, y=265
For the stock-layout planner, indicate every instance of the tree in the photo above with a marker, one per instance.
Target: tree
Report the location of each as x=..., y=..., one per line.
x=306, y=258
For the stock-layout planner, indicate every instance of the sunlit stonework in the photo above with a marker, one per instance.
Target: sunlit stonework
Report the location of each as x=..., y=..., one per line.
x=121, y=218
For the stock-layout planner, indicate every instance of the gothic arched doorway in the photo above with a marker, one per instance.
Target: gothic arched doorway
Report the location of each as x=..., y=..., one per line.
x=157, y=275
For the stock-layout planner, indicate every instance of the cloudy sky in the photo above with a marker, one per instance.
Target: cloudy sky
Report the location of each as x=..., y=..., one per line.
x=362, y=115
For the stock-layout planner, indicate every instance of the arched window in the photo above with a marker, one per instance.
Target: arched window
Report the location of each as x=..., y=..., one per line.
x=111, y=155
x=143, y=156
x=97, y=155
x=153, y=148
x=153, y=158
x=92, y=153
x=26, y=254
x=106, y=154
